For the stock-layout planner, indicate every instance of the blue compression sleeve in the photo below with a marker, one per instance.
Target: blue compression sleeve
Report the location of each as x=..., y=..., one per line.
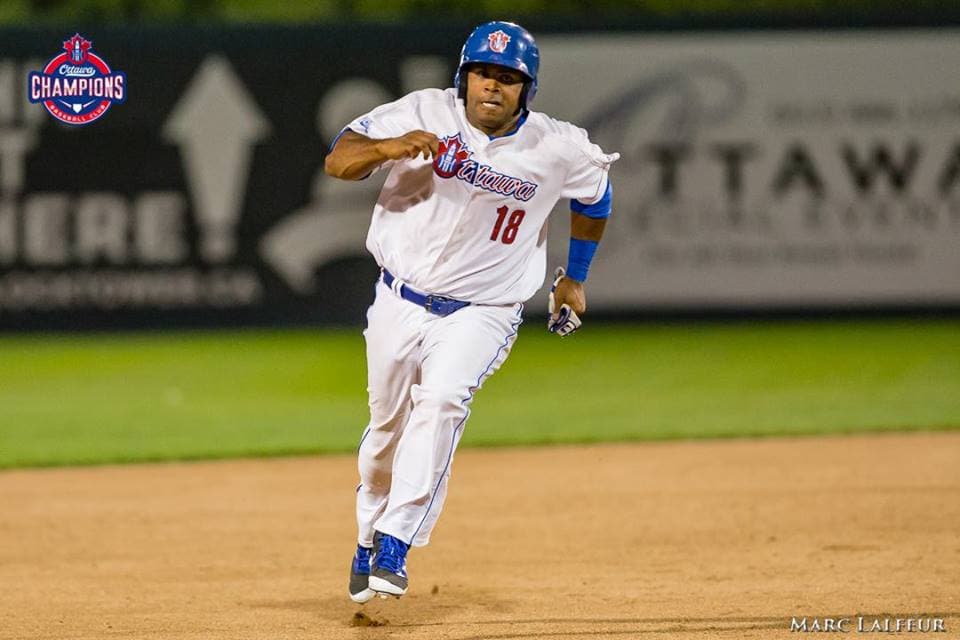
x=582, y=251
x=599, y=209
x=579, y=259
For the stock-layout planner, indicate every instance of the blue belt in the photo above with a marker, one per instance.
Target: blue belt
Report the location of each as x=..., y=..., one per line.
x=434, y=304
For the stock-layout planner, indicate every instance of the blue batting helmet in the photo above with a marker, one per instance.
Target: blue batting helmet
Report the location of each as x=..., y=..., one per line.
x=506, y=44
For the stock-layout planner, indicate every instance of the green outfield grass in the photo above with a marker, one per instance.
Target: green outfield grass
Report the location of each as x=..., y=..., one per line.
x=115, y=398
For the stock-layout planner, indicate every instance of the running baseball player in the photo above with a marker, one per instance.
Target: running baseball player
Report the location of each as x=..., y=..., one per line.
x=459, y=231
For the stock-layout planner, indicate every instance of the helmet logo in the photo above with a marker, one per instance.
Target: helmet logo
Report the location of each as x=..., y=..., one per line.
x=498, y=41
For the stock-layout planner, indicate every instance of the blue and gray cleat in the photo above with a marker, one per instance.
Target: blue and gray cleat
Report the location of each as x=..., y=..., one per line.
x=389, y=571
x=360, y=591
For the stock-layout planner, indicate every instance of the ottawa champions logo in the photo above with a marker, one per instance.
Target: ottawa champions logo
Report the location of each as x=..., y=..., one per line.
x=77, y=86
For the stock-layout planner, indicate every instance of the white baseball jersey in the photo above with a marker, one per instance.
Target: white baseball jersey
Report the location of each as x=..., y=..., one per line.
x=471, y=223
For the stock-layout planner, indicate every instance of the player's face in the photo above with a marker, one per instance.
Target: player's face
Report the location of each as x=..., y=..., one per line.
x=493, y=95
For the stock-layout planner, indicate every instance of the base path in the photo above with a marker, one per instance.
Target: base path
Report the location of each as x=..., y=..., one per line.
x=709, y=539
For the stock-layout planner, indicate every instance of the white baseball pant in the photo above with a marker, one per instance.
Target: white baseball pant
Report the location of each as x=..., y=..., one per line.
x=423, y=371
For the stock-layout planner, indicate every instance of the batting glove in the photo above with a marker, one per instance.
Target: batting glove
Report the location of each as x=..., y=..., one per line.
x=564, y=321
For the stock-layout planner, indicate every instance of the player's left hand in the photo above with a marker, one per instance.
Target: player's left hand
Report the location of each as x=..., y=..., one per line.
x=566, y=301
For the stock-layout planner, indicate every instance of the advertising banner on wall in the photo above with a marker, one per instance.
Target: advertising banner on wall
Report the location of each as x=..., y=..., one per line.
x=200, y=200
x=770, y=170
x=759, y=170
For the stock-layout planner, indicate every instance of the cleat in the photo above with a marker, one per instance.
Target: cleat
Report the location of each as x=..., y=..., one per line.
x=388, y=574
x=360, y=591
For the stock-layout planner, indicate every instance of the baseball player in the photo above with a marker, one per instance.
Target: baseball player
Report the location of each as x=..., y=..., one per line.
x=459, y=231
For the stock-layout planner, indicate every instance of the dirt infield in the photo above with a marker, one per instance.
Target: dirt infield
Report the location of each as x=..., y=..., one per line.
x=698, y=540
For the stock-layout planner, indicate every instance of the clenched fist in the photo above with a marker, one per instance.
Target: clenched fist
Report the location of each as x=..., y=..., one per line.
x=409, y=145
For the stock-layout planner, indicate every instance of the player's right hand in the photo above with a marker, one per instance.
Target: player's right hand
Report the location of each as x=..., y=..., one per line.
x=410, y=145
x=561, y=319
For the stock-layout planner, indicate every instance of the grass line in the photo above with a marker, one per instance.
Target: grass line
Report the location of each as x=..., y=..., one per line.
x=92, y=399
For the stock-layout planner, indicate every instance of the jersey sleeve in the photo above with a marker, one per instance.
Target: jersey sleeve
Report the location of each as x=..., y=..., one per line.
x=389, y=120
x=587, y=173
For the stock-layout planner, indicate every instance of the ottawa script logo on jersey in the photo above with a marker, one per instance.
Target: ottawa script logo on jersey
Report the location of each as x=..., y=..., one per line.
x=77, y=86
x=453, y=161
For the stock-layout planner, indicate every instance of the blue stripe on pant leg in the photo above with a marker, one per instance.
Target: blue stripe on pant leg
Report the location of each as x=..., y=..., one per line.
x=453, y=440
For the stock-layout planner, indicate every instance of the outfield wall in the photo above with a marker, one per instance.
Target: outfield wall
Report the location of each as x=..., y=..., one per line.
x=760, y=170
